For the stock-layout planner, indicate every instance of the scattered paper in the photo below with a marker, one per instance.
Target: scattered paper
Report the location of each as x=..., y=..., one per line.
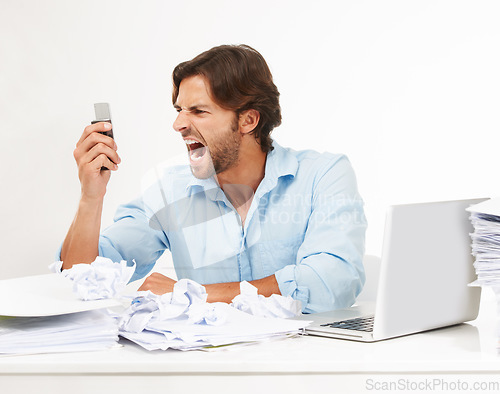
x=99, y=280
x=184, y=320
x=251, y=302
x=187, y=301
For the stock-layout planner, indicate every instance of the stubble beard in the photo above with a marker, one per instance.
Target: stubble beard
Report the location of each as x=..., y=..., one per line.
x=223, y=153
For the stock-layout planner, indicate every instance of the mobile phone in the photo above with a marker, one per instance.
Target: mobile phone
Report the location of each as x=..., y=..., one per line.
x=103, y=114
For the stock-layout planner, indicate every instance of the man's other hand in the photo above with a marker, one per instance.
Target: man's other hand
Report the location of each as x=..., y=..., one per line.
x=158, y=284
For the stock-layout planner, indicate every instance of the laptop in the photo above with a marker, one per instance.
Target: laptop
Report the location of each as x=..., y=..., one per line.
x=425, y=269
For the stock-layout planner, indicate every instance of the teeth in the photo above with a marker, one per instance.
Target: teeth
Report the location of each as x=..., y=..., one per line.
x=195, y=154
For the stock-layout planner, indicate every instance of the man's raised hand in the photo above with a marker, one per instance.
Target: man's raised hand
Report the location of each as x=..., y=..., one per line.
x=94, y=151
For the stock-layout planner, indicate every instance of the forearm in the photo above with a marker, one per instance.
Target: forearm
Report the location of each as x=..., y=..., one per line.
x=82, y=241
x=225, y=292
x=93, y=151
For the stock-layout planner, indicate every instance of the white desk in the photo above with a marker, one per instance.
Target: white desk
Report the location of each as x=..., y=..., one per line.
x=467, y=352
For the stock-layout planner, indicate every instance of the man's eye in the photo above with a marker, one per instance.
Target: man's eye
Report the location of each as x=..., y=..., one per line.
x=193, y=111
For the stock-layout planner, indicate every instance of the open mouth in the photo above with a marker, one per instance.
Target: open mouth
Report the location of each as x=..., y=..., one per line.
x=196, y=149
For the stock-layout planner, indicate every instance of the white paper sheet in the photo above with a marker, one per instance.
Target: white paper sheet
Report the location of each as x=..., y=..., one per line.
x=488, y=207
x=44, y=295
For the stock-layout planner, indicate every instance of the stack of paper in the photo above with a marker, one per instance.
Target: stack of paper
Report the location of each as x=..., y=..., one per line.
x=41, y=314
x=83, y=331
x=239, y=327
x=184, y=320
x=485, y=218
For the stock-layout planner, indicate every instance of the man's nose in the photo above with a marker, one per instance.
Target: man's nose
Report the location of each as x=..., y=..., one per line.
x=181, y=122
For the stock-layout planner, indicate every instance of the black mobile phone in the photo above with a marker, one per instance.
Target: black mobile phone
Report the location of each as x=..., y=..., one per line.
x=103, y=114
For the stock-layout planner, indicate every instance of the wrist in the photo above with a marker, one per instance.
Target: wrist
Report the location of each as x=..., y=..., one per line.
x=222, y=292
x=90, y=208
x=91, y=201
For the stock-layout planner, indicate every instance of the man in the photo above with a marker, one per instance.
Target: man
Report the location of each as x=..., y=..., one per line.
x=244, y=208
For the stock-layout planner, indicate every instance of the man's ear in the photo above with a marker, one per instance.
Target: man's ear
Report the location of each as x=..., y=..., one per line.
x=248, y=120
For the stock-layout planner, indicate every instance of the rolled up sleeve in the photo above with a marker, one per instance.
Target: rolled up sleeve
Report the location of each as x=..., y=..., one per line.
x=132, y=238
x=328, y=273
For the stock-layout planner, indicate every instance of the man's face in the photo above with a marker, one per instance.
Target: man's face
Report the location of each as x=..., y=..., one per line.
x=210, y=131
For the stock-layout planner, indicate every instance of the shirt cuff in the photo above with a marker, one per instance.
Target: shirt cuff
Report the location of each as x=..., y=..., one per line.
x=288, y=285
x=56, y=266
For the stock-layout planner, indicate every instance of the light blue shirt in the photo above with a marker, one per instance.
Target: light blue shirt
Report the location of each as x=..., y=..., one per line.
x=305, y=225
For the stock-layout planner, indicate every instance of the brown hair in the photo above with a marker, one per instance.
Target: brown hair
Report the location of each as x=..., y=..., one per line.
x=239, y=79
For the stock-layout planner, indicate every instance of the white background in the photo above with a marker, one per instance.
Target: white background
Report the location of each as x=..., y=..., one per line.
x=409, y=90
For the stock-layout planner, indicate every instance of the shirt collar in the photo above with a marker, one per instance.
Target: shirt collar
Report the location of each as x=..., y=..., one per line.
x=208, y=185
x=280, y=162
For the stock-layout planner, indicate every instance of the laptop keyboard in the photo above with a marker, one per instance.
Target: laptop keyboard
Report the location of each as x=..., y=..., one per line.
x=358, y=324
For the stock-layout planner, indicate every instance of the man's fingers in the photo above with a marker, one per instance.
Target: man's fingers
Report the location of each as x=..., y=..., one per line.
x=95, y=138
x=100, y=148
x=89, y=143
x=94, y=161
x=97, y=150
x=97, y=163
x=96, y=127
x=103, y=161
x=158, y=284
